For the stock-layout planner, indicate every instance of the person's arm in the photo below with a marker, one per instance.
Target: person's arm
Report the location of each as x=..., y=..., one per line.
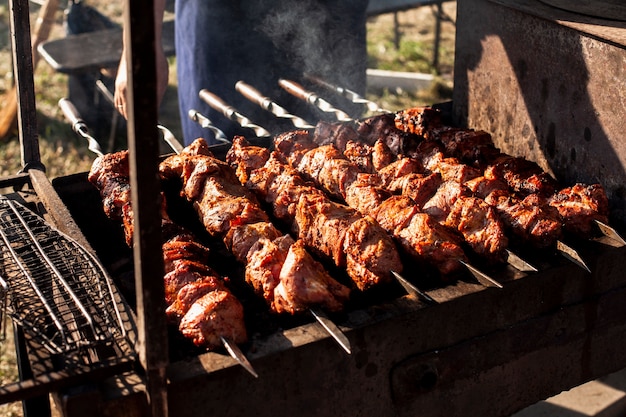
x=162, y=68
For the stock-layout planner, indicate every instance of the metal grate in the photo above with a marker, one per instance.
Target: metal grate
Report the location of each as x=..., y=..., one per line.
x=51, y=286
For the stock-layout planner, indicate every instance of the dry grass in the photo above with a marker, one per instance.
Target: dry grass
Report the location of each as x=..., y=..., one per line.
x=63, y=153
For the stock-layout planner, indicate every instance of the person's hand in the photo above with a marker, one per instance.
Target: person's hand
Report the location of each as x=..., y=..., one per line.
x=121, y=82
x=121, y=86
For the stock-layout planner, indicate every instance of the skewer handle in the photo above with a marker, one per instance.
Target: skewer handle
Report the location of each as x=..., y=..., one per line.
x=312, y=98
x=265, y=103
x=78, y=124
x=72, y=115
x=232, y=114
x=216, y=102
x=295, y=89
x=253, y=95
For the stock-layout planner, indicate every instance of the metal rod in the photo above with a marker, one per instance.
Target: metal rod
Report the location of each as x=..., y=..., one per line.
x=332, y=329
x=238, y=355
x=349, y=94
x=609, y=232
x=570, y=253
x=517, y=262
x=412, y=289
x=481, y=277
x=206, y=123
x=266, y=103
x=310, y=97
x=231, y=113
x=23, y=73
x=78, y=125
x=143, y=146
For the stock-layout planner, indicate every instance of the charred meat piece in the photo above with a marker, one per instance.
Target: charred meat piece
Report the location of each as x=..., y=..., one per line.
x=293, y=144
x=482, y=186
x=480, y=226
x=328, y=167
x=418, y=187
x=189, y=293
x=342, y=235
x=540, y=225
x=242, y=237
x=383, y=128
x=214, y=314
x=522, y=176
x=366, y=194
x=446, y=195
x=310, y=285
x=579, y=206
x=418, y=120
x=338, y=134
x=451, y=169
x=420, y=236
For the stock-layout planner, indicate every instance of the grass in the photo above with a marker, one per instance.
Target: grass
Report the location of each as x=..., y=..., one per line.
x=63, y=153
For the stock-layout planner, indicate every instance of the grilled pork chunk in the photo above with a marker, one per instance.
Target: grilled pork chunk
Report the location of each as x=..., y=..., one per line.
x=189, y=283
x=331, y=230
x=231, y=212
x=579, y=206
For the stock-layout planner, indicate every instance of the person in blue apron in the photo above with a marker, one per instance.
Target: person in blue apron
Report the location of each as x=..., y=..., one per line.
x=219, y=42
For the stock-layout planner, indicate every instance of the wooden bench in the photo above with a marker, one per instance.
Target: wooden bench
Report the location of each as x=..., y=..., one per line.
x=89, y=51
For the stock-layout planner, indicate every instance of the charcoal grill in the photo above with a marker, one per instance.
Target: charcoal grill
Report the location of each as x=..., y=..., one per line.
x=475, y=351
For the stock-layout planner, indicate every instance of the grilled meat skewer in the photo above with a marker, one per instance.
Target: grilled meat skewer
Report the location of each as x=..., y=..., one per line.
x=333, y=230
x=197, y=298
x=342, y=178
x=441, y=251
x=229, y=211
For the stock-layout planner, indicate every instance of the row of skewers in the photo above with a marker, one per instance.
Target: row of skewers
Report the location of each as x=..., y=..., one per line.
x=353, y=195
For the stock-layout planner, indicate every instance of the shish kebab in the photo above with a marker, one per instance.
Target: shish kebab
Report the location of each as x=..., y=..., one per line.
x=194, y=292
x=257, y=97
x=437, y=247
x=218, y=104
x=534, y=217
x=467, y=145
x=510, y=214
x=197, y=298
x=278, y=268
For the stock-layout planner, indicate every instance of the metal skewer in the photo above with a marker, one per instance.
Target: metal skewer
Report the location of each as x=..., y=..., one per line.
x=609, y=232
x=206, y=123
x=168, y=136
x=310, y=97
x=236, y=353
x=332, y=329
x=232, y=114
x=170, y=139
x=518, y=263
x=350, y=95
x=78, y=125
x=412, y=289
x=481, y=277
x=255, y=96
x=570, y=253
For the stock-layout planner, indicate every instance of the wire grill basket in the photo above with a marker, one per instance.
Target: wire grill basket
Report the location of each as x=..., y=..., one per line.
x=53, y=287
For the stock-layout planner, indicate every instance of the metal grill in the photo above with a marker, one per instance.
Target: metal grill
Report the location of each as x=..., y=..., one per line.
x=54, y=288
